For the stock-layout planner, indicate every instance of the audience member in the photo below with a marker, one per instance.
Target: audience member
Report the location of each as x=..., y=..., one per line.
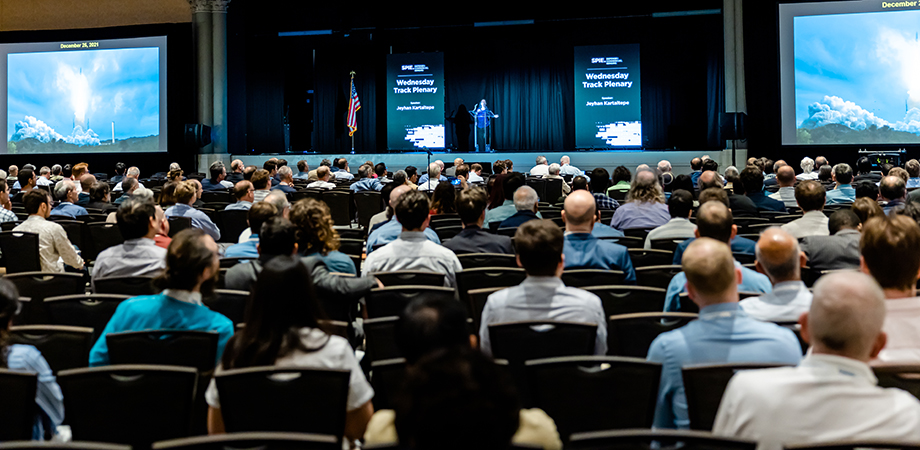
x=526, y=203
x=129, y=186
x=680, y=206
x=322, y=179
x=644, y=207
x=752, y=179
x=6, y=206
x=599, y=182
x=317, y=237
x=583, y=250
x=26, y=181
x=54, y=249
x=366, y=182
x=271, y=166
x=99, y=196
x=838, y=251
x=785, y=178
x=66, y=193
x=566, y=168
x=509, y=184
x=864, y=171
x=723, y=333
x=621, y=181
x=542, y=296
x=186, y=194
x=831, y=395
x=236, y=172
x=44, y=178
x=471, y=207
x=843, y=192
x=139, y=255
x=808, y=167
x=542, y=167
x=412, y=176
x=738, y=244
x=893, y=191
x=809, y=195
x=913, y=171
x=244, y=194
x=86, y=183
x=218, y=173
x=261, y=185
x=433, y=179
x=426, y=177
x=443, y=200
x=696, y=166
x=476, y=173
x=258, y=214
x=344, y=172
x=780, y=259
x=133, y=172
x=391, y=229
x=286, y=181
x=303, y=170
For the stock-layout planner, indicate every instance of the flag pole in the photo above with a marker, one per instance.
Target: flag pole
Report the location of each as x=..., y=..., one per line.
x=352, y=133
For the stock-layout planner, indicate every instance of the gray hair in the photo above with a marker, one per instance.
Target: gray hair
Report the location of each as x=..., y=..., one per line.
x=133, y=171
x=434, y=171
x=284, y=171
x=173, y=166
x=56, y=169
x=62, y=189
x=279, y=199
x=541, y=159
x=664, y=166
x=45, y=170
x=808, y=164
x=731, y=172
x=554, y=169
x=524, y=198
x=142, y=194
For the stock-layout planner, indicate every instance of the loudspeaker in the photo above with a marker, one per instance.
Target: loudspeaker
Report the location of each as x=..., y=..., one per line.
x=197, y=134
x=732, y=126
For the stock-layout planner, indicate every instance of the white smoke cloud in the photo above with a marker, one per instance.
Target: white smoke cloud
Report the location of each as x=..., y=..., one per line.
x=42, y=132
x=835, y=110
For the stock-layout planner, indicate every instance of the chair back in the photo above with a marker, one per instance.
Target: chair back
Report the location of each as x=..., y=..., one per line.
x=478, y=260
x=178, y=223
x=623, y=392
x=19, y=408
x=252, y=440
x=129, y=404
x=387, y=378
x=284, y=399
x=658, y=438
x=448, y=231
x=351, y=246
x=25, y=246
x=651, y=257
x=903, y=377
x=74, y=230
x=381, y=338
x=626, y=241
x=656, y=276
x=186, y=348
x=641, y=233
x=232, y=223
x=487, y=277
x=392, y=300
x=217, y=196
x=39, y=285
x=632, y=334
x=667, y=243
x=131, y=286
x=704, y=386
x=83, y=310
x=228, y=262
x=339, y=203
x=477, y=302
x=368, y=203
x=526, y=340
x=229, y=302
x=629, y=299
x=62, y=347
x=553, y=189
x=103, y=235
x=592, y=277
x=410, y=277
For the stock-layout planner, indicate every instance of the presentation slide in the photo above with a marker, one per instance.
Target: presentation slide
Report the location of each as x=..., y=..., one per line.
x=850, y=72
x=84, y=96
x=415, y=101
x=608, y=101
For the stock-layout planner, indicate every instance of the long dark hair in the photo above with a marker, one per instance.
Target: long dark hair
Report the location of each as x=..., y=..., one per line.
x=283, y=302
x=9, y=306
x=444, y=198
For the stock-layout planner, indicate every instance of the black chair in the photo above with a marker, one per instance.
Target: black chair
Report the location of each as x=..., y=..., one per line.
x=381, y=338
x=102, y=235
x=231, y=303
x=177, y=224
x=526, y=340
x=129, y=404
x=184, y=348
x=656, y=276
x=62, y=347
x=744, y=258
x=387, y=377
x=368, y=203
x=83, y=310
x=623, y=392
x=744, y=222
x=232, y=223
x=637, y=232
x=74, y=230
x=392, y=300
x=855, y=445
x=8, y=226
x=627, y=241
x=632, y=334
x=592, y=277
x=704, y=386
x=478, y=260
x=487, y=277
x=351, y=246
x=25, y=247
x=217, y=196
x=619, y=300
x=39, y=285
x=339, y=203
x=539, y=185
x=665, y=439
x=410, y=277
x=667, y=244
x=124, y=286
x=226, y=263
x=508, y=231
x=552, y=189
x=652, y=257
x=19, y=408
x=274, y=399
x=476, y=303
x=904, y=377
x=448, y=232
x=253, y=440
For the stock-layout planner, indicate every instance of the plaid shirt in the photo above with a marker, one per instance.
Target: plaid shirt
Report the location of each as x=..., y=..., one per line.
x=602, y=201
x=7, y=216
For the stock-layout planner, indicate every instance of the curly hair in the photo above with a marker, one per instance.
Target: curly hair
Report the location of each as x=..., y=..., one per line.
x=314, y=227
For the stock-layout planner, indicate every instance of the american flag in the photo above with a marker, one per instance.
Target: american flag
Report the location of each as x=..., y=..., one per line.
x=353, y=106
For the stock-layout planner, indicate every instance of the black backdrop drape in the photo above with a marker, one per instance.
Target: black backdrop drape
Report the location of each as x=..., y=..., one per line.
x=524, y=72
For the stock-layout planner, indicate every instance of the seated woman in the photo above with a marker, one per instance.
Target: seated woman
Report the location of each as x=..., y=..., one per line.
x=316, y=235
x=99, y=196
x=283, y=329
x=621, y=180
x=26, y=358
x=443, y=199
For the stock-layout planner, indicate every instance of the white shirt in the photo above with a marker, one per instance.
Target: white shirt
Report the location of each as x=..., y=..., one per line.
x=475, y=178
x=786, y=194
x=786, y=303
x=42, y=181
x=54, y=249
x=342, y=175
x=413, y=251
x=902, y=325
x=677, y=227
x=540, y=169
x=321, y=185
x=429, y=185
x=334, y=352
x=826, y=398
x=812, y=223
x=118, y=186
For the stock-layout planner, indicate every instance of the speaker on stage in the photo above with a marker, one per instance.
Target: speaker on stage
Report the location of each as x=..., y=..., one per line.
x=197, y=134
x=732, y=126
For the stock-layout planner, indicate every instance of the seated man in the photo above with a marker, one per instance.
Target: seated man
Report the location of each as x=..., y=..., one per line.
x=785, y=178
x=471, y=207
x=526, y=202
x=582, y=249
x=389, y=231
x=542, y=295
x=780, y=259
x=244, y=194
x=303, y=170
x=218, y=173
x=680, y=206
x=644, y=208
x=752, y=181
x=261, y=183
x=258, y=214
x=66, y=193
x=723, y=333
x=186, y=194
x=738, y=244
x=412, y=250
x=843, y=192
x=133, y=172
x=344, y=173
x=192, y=267
x=541, y=168
x=840, y=250
x=286, y=183
x=832, y=395
x=86, y=183
x=809, y=195
x=139, y=255
x=130, y=185
x=366, y=182
x=714, y=221
x=510, y=185
x=25, y=179
x=434, y=177
x=893, y=191
x=53, y=245
x=322, y=179
x=889, y=253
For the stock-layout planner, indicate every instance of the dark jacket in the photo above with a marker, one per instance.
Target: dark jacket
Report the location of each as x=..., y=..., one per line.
x=474, y=240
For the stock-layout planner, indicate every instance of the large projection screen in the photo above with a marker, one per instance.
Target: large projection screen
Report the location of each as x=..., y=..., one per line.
x=608, y=101
x=415, y=101
x=88, y=96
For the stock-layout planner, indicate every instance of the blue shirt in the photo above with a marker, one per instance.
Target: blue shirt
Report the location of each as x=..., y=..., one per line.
x=68, y=209
x=48, y=396
x=600, y=230
x=337, y=262
x=585, y=251
x=499, y=214
x=241, y=205
x=208, y=185
x=302, y=175
x=640, y=215
x=764, y=203
x=245, y=249
x=199, y=219
x=162, y=312
x=517, y=219
x=424, y=179
x=738, y=245
x=751, y=281
x=366, y=184
x=390, y=231
x=695, y=177
x=284, y=188
x=845, y=193
x=724, y=333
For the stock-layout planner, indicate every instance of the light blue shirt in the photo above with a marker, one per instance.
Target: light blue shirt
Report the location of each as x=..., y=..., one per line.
x=199, y=219
x=913, y=182
x=48, y=396
x=302, y=175
x=241, y=205
x=724, y=333
x=751, y=281
x=337, y=262
x=506, y=210
x=246, y=249
x=845, y=193
x=139, y=257
x=366, y=184
x=600, y=230
x=568, y=169
x=424, y=179
x=68, y=209
x=585, y=251
x=640, y=215
x=390, y=231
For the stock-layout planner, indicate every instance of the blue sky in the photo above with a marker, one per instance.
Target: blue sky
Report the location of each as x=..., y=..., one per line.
x=101, y=86
x=870, y=59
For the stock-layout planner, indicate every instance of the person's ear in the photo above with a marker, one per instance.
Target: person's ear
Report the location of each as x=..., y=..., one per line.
x=803, y=327
x=696, y=233
x=878, y=345
x=734, y=231
x=259, y=248
x=474, y=341
x=759, y=267
x=738, y=276
x=517, y=258
x=862, y=265
x=803, y=259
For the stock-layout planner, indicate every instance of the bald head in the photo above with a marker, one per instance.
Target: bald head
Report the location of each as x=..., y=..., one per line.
x=397, y=192
x=785, y=176
x=709, y=179
x=711, y=274
x=892, y=188
x=779, y=256
x=846, y=316
x=714, y=220
x=565, y=160
x=579, y=211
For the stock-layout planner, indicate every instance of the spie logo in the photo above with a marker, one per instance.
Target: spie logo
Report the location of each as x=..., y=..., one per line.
x=610, y=61
x=414, y=68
